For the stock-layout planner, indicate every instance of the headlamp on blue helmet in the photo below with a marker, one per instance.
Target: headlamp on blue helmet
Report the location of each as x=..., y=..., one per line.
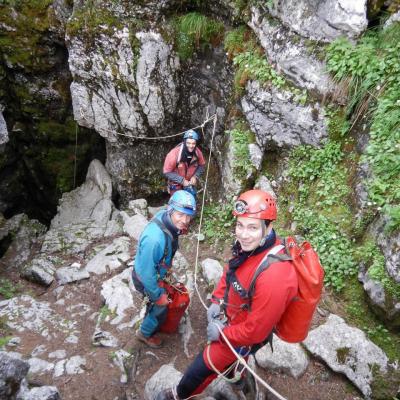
x=191, y=134
x=183, y=201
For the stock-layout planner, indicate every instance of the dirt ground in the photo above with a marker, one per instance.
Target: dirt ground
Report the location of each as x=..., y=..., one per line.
x=101, y=379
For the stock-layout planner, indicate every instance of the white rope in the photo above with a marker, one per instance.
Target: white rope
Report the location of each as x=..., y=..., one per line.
x=201, y=215
x=152, y=137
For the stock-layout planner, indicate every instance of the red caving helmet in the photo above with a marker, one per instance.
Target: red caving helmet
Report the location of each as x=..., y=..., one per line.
x=255, y=204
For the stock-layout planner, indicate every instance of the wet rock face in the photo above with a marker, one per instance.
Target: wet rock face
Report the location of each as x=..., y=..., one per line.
x=136, y=168
x=323, y=20
x=383, y=302
x=207, y=87
x=291, y=54
x=389, y=242
x=207, y=84
x=144, y=9
x=157, y=79
x=278, y=121
x=37, y=162
x=123, y=82
x=3, y=130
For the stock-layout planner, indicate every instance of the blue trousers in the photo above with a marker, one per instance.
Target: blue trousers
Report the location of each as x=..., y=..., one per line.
x=154, y=318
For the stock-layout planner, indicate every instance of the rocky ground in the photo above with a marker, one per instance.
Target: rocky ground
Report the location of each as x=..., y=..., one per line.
x=72, y=322
x=87, y=371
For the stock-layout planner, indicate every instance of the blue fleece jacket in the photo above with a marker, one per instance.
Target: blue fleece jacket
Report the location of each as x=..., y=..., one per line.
x=149, y=263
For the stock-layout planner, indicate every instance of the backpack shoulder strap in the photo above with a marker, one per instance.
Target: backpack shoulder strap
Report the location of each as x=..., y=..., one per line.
x=162, y=226
x=167, y=234
x=179, y=153
x=270, y=258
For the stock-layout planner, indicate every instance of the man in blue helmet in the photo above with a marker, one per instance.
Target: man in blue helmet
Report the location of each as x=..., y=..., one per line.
x=184, y=164
x=156, y=249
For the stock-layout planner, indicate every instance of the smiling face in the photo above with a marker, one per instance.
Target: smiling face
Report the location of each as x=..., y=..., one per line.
x=190, y=144
x=180, y=220
x=250, y=231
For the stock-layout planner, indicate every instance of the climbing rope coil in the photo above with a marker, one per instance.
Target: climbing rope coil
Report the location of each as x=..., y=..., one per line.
x=240, y=359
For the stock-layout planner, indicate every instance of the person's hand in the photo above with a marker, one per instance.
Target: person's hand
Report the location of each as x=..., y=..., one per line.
x=213, y=328
x=193, y=180
x=186, y=183
x=162, y=301
x=213, y=311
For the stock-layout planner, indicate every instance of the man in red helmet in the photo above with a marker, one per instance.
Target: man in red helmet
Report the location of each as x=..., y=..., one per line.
x=246, y=321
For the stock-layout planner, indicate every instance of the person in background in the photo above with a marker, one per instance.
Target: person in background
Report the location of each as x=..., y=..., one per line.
x=156, y=249
x=184, y=164
x=247, y=323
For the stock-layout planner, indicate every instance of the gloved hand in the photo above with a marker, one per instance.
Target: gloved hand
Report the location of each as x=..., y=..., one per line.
x=213, y=311
x=162, y=301
x=213, y=331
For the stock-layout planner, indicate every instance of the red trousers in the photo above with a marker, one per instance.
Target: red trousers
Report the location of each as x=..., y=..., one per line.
x=221, y=357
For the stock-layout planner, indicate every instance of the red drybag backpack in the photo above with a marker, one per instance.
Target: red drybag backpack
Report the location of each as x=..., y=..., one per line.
x=295, y=322
x=178, y=303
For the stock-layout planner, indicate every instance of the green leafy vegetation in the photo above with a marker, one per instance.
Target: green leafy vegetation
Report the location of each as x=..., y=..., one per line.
x=195, y=31
x=240, y=139
x=106, y=312
x=218, y=222
x=370, y=71
x=4, y=330
x=317, y=195
x=4, y=340
x=251, y=63
x=8, y=289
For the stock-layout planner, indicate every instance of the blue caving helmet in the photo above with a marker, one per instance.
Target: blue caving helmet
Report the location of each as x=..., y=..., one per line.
x=182, y=201
x=191, y=134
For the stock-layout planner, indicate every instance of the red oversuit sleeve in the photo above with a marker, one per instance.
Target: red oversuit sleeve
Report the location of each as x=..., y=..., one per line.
x=200, y=156
x=170, y=162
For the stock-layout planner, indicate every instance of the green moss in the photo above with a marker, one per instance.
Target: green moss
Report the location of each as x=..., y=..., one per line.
x=342, y=354
x=8, y=289
x=370, y=255
x=385, y=385
x=338, y=125
x=378, y=273
x=92, y=20
x=57, y=132
x=359, y=314
x=4, y=340
x=316, y=49
x=23, y=45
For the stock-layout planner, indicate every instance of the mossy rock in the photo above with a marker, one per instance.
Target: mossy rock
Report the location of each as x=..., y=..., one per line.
x=385, y=385
x=24, y=46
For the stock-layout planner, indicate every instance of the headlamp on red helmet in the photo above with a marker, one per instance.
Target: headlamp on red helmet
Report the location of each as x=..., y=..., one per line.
x=255, y=204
